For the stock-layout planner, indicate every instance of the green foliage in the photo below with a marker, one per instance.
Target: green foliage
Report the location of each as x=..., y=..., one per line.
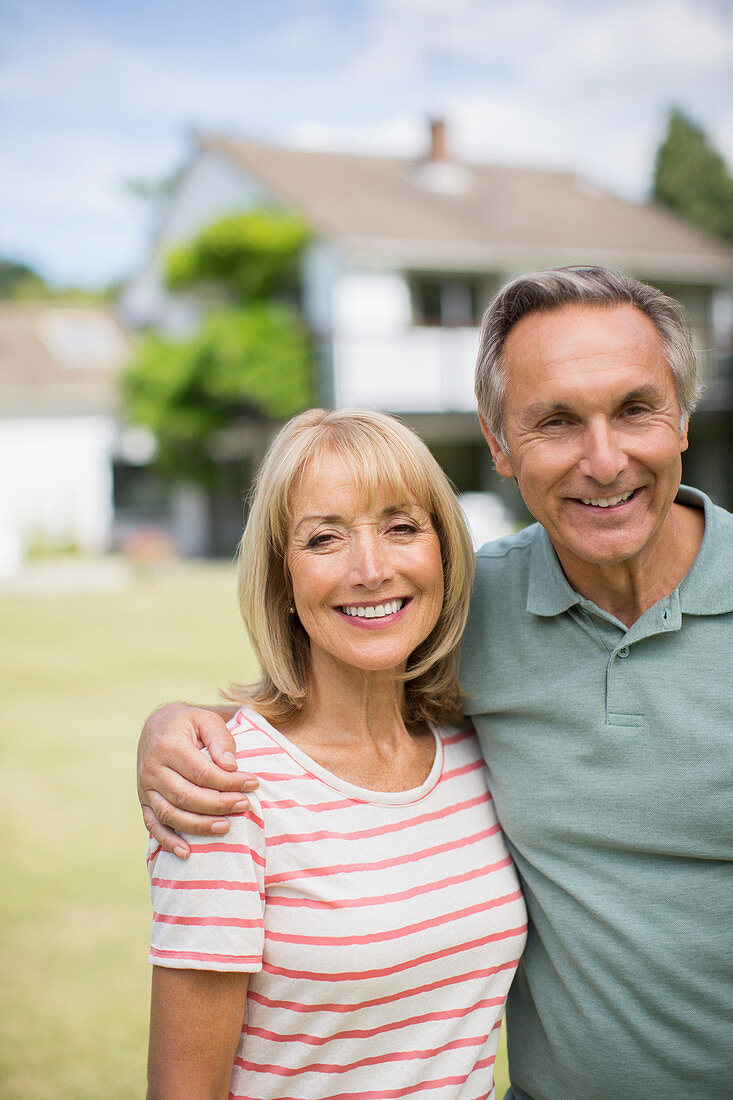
x=75, y=904
x=254, y=360
x=18, y=280
x=253, y=254
x=692, y=178
x=21, y=283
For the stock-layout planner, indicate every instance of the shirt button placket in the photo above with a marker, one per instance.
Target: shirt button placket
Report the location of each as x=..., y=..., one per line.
x=618, y=687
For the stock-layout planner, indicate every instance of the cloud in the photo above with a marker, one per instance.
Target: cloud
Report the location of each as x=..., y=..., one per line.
x=94, y=95
x=562, y=84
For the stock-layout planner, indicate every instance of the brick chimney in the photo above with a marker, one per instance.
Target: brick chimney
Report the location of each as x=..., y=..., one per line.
x=438, y=171
x=438, y=146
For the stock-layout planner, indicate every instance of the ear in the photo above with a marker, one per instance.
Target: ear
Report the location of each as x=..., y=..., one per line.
x=684, y=442
x=501, y=459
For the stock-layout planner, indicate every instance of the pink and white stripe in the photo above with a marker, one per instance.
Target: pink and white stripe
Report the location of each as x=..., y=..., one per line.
x=388, y=923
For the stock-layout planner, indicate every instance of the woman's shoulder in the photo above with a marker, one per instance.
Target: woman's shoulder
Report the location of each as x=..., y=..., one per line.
x=464, y=775
x=460, y=741
x=246, y=718
x=255, y=738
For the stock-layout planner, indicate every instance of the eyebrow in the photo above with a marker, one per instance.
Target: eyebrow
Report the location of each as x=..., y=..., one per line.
x=543, y=408
x=318, y=519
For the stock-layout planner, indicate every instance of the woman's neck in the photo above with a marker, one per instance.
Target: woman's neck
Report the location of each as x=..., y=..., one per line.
x=354, y=725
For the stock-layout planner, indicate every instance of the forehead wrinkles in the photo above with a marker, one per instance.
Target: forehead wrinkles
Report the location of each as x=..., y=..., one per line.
x=602, y=354
x=581, y=333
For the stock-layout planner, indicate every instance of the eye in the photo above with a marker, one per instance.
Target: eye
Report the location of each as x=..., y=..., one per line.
x=635, y=410
x=319, y=541
x=403, y=527
x=557, y=421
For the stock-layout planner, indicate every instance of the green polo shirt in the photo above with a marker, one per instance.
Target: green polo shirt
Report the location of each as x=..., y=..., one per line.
x=610, y=753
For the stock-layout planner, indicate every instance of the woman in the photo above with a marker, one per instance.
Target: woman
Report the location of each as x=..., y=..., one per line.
x=356, y=932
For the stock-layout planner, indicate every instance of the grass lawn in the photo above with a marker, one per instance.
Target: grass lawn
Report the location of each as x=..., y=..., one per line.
x=77, y=676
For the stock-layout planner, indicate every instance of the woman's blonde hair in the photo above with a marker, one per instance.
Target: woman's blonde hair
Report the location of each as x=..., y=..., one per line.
x=383, y=455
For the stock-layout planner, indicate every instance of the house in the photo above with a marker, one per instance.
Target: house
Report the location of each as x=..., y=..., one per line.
x=59, y=428
x=407, y=254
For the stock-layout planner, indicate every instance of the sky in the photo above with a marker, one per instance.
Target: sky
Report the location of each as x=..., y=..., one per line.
x=95, y=95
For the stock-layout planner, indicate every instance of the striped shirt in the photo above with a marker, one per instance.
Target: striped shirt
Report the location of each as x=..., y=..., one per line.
x=381, y=929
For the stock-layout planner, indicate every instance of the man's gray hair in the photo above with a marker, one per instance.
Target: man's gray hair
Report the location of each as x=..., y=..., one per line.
x=543, y=291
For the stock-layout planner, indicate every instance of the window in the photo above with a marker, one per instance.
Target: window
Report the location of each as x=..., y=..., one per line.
x=447, y=300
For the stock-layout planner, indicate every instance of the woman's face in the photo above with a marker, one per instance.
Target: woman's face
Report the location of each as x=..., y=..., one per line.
x=367, y=581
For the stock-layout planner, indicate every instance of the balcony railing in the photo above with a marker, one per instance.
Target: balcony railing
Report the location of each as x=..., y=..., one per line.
x=431, y=370
x=420, y=370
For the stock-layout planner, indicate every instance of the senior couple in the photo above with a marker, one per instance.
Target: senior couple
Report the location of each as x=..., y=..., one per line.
x=352, y=928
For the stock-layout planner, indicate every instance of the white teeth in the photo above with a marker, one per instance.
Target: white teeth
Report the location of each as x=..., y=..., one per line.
x=377, y=611
x=606, y=502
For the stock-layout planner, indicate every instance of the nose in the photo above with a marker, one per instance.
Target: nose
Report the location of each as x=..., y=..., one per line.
x=371, y=563
x=603, y=456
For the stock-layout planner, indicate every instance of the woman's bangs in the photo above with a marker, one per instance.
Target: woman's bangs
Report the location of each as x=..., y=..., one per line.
x=383, y=471
x=382, y=465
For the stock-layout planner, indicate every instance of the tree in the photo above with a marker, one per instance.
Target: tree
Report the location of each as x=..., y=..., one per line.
x=253, y=361
x=692, y=178
x=21, y=283
x=18, y=280
x=253, y=255
x=250, y=358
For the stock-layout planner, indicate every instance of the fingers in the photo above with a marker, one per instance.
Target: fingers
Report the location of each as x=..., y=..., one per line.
x=189, y=767
x=212, y=730
x=167, y=818
x=204, y=789
x=169, y=840
x=182, y=788
x=173, y=789
x=202, y=772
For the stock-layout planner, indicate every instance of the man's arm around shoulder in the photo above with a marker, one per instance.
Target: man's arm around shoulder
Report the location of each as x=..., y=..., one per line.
x=179, y=786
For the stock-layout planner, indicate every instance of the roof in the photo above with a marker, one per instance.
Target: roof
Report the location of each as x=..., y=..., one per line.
x=59, y=360
x=384, y=209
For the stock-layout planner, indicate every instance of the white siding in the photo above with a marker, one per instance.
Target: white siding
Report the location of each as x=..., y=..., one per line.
x=371, y=302
x=211, y=189
x=323, y=266
x=55, y=485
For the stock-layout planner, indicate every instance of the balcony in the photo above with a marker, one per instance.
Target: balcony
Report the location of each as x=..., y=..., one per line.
x=430, y=370
x=426, y=369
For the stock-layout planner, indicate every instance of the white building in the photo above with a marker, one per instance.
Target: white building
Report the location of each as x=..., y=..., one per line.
x=58, y=428
x=407, y=254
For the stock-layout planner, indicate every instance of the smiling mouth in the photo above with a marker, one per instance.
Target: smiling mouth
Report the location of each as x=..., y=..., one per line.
x=608, y=502
x=373, y=611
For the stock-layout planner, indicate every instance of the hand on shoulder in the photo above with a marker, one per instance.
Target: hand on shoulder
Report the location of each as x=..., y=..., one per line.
x=180, y=787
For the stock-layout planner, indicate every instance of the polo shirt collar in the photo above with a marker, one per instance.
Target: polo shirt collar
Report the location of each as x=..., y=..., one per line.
x=706, y=590
x=549, y=592
x=708, y=587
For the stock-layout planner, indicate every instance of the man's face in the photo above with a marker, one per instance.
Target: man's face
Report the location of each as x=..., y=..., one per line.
x=592, y=425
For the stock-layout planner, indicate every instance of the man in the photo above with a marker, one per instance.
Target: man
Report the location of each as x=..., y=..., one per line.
x=598, y=670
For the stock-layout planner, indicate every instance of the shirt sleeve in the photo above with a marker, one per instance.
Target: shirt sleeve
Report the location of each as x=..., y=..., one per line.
x=208, y=910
